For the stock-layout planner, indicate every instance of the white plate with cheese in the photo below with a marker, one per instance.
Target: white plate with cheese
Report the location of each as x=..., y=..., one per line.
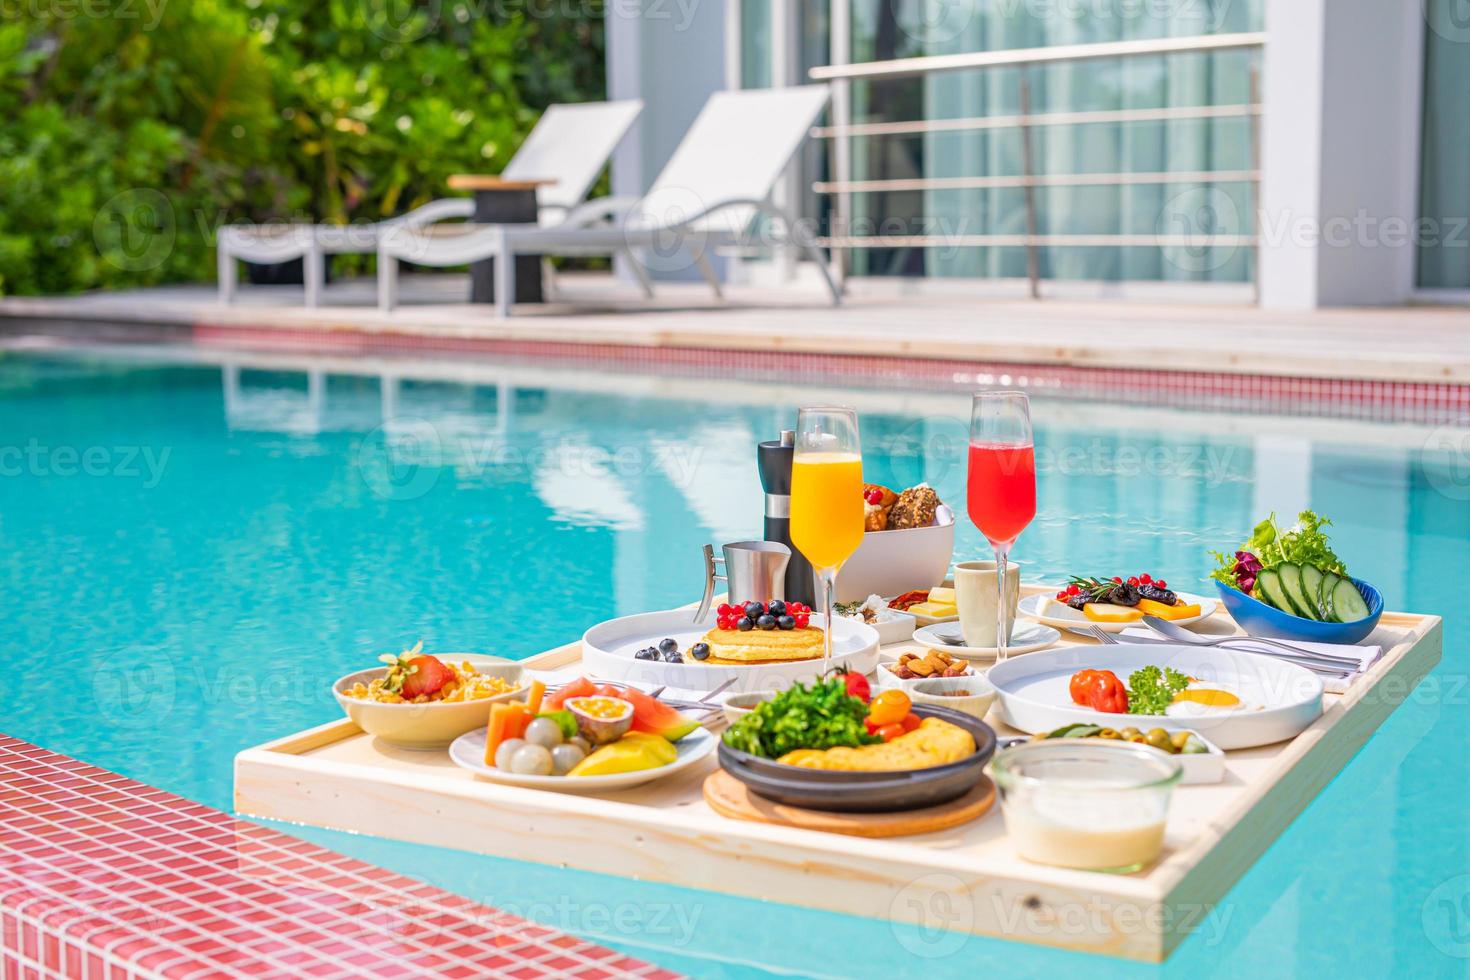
x=940, y=607
x=1046, y=609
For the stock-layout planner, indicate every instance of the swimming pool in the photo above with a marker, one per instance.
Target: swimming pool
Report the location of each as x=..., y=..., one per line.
x=192, y=552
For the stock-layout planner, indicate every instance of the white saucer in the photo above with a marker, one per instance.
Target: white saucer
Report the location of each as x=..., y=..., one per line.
x=1026, y=637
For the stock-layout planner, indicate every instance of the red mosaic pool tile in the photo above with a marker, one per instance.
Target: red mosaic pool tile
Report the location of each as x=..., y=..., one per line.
x=1388, y=401
x=104, y=877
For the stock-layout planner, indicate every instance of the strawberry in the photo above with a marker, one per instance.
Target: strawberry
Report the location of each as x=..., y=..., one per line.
x=414, y=674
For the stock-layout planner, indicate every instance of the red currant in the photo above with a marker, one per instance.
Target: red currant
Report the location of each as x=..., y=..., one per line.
x=1074, y=589
x=1117, y=580
x=1145, y=578
x=1162, y=584
x=802, y=619
x=1133, y=582
x=724, y=610
x=1061, y=597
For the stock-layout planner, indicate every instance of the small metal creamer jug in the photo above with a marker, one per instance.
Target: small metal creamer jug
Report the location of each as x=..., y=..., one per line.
x=754, y=571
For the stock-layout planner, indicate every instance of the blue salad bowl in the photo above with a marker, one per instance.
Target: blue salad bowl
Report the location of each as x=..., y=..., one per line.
x=1259, y=619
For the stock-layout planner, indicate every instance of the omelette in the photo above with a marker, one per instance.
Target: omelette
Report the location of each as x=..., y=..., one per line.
x=934, y=743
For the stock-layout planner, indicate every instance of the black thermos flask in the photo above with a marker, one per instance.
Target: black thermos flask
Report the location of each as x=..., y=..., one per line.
x=774, y=461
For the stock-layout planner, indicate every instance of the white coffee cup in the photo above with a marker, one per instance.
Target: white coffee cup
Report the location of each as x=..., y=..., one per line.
x=975, y=595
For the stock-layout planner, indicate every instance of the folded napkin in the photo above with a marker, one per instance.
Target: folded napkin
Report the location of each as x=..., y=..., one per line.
x=1366, y=656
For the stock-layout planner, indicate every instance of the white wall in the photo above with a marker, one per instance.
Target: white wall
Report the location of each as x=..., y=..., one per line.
x=1342, y=83
x=670, y=54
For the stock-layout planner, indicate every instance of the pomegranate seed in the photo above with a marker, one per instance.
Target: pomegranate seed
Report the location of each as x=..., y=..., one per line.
x=1145, y=578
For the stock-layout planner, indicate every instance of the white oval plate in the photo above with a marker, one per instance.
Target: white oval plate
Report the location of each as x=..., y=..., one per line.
x=1044, y=608
x=1026, y=637
x=468, y=752
x=1281, y=699
x=608, y=648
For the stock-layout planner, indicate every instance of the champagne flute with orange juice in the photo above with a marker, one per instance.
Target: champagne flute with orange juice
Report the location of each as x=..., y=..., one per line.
x=1002, y=485
x=827, y=498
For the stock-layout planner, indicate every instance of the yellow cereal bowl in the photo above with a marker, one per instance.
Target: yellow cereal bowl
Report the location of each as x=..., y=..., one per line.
x=431, y=725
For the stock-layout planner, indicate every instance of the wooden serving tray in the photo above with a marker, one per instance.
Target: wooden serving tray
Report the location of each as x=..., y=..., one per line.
x=336, y=776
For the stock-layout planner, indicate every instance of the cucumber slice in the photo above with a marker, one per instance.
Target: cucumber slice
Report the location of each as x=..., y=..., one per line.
x=1324, y=596
x=1291, y=584
x=1268, y=590
x=1348, y=605
x=1312, y=589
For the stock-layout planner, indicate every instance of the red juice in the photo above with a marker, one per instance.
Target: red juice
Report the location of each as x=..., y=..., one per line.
x=1002, y=491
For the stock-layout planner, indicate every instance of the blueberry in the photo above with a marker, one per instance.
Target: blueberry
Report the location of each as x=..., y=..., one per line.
x=766, y=622
x=777, y=608
x=700, y=651
x=647, y=653
x=786, y=622
x=667, y=646
x=754, y=610
x=745, y=623
x=673, y=656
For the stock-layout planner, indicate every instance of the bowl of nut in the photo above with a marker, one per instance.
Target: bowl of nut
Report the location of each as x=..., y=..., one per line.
x=904, y=670
x=907, y=543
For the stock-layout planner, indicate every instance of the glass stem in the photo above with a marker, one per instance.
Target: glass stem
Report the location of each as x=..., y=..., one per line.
x=1002, y=624
x=827, y=590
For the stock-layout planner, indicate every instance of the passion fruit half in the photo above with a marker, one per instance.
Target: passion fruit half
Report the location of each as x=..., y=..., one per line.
x=601, y=720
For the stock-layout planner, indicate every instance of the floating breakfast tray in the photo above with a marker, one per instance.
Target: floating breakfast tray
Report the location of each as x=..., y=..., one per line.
x=965, y=878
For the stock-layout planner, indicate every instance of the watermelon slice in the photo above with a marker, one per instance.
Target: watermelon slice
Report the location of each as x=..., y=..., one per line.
x=579, y=688
x=656, y=718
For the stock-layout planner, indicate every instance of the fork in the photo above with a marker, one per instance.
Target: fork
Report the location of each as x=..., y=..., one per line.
x=1301, y=660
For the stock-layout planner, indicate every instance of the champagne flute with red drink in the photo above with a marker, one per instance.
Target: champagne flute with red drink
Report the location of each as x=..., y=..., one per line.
x=1002, y=487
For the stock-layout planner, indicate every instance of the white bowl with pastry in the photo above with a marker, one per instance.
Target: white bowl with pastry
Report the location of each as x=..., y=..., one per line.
x=755, y=660
x=907, y=544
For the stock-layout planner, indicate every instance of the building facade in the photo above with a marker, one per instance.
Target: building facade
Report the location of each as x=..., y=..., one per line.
x=1300, y=153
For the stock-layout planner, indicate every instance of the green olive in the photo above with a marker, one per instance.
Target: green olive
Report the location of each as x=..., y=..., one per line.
x=1159, y=739
x=1107, y=733
x=1138, y=737
x=1179, y=739
x=1129, y=732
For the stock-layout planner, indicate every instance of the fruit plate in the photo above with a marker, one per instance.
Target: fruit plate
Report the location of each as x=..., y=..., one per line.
x=1278, y=699
x=1045, y=609
x=608, y=648
x=468, y=752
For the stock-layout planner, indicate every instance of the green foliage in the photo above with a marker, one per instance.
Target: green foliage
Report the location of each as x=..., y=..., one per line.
x=129, y=132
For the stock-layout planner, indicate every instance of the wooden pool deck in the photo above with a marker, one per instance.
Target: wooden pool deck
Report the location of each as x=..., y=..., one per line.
x=1415, y=344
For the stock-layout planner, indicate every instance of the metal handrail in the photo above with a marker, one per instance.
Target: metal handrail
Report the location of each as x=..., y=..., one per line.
x=928, y=64
x=842, y=75
x=918, y=126
x=1039, y=180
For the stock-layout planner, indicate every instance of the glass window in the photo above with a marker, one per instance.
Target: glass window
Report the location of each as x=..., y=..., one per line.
x=1444, y=248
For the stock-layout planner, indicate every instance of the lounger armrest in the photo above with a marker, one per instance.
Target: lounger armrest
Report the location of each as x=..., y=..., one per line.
x=435, y=211
x=602, y=209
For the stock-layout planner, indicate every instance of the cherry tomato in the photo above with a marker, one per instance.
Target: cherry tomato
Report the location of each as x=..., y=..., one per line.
x=889, y=707
x=889, y=732
x=911, y=721
x=858, y=686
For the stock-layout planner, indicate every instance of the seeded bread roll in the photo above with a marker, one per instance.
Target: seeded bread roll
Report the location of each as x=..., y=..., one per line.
x=914, y=508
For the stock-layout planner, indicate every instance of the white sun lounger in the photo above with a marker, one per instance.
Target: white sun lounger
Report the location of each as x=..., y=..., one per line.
x=569, y=145
x=719, y=178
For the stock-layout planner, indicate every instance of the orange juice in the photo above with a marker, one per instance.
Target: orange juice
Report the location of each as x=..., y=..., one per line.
x=827, y=506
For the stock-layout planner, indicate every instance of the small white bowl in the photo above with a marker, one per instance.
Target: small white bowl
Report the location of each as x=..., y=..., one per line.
x=430, y=725
x=935, y=691
x=737, y=706
x=892, y=626
x=883, y=678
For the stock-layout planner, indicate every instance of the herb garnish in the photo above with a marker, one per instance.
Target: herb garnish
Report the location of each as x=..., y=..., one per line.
x=1151, y=689
x=822, y=716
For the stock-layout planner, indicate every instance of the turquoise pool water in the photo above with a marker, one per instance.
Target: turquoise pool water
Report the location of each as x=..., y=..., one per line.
x=190, y=554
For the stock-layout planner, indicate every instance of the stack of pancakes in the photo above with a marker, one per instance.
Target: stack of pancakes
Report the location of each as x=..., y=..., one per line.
x=764, y=646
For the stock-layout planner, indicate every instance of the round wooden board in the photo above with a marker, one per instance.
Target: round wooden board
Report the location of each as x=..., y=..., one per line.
x=729, y=797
